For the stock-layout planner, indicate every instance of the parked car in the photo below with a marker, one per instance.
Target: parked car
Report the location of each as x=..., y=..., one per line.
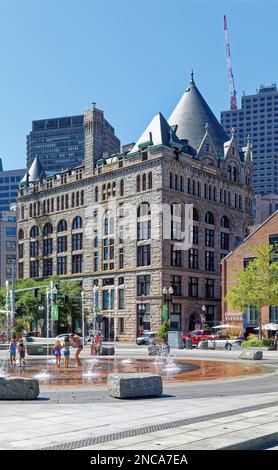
x=147, y=338
x=198, y=335
x=62, y=336
x=227, y=344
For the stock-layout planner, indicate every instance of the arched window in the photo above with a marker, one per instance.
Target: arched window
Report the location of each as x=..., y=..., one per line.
x=144, y=209
x=150, y=178
x=234, y=174
x=20, y=234
x=144, y=182
x=195, y=215
x=34, y=232
x=171, y=181
x=214, y=193
x=62, y=226
x=209, y=219
x=205, y=191
x=77, y=223
x=138, y=184
x=181, y=184
x=240, y=201
x=198, y=189
x=47, y=229
x=96, y=194
x=225, y=222
x=188, y=186
x=193, y=187
x=122, y=187
x=210, y=193
x=176, y=183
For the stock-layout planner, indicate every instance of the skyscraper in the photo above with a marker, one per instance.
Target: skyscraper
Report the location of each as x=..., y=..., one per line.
x=8, y=187
x=258, y=118
x=58, y=143
x=9, y=181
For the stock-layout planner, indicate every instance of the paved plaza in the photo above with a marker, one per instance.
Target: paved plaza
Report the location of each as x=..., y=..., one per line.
x=234, y=412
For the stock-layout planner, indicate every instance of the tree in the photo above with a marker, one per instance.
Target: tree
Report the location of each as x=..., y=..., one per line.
x=27, y=305
x=163, y=330
x=257, y=284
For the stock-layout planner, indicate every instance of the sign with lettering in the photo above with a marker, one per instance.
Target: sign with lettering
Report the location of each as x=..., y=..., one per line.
x=234, y=316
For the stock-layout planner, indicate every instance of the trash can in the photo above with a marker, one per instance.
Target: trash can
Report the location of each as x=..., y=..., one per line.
x=188, y=343
x=204, y=344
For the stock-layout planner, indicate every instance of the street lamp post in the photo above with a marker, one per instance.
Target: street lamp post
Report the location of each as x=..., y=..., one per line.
x=168, y=296
x=203, y=316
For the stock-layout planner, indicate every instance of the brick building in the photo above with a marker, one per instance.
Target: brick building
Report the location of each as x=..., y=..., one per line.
x=235, y=261
x=119, y=223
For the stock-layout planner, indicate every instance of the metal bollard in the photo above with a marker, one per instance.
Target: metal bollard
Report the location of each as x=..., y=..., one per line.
x=204, y=344
x=188, y=343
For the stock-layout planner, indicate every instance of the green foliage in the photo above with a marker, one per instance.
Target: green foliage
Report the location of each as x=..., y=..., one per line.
x=257, y=285
x=163, y=330
x=27, y=305
x=256, y=343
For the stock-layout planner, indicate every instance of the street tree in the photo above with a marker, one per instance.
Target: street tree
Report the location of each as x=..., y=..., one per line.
x=257, y=284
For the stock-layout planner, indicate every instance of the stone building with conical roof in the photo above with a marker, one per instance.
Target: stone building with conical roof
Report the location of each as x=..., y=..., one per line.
x=162, y=213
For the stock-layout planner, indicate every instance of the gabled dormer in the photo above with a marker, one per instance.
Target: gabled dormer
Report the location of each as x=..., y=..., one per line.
x=206, y=152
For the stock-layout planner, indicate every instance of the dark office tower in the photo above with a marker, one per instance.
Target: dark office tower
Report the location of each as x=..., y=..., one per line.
x=258, y=118
x=58, y=143
x=9, y=181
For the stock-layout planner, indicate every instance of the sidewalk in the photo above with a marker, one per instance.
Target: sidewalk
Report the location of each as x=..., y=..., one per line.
x=162, y=423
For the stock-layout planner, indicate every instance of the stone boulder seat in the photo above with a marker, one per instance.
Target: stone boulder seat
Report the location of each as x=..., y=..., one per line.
x=134, y=385
x=18, y=388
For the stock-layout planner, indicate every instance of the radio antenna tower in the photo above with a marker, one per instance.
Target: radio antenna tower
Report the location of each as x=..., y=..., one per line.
x=233, y=103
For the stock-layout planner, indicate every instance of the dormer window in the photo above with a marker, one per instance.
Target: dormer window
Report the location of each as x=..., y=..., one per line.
x=176, y=154
x=144, y=155
x=207, y=147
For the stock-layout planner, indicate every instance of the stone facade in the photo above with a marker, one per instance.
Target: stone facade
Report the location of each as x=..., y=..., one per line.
x=123, y=200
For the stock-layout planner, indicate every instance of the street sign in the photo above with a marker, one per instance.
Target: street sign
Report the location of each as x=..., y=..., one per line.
x=164, y=312
x=54, y=312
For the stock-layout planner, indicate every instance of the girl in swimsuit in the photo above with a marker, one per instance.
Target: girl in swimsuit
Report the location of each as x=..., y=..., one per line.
x=57, y=352
x=78, y=344
x=66, y=351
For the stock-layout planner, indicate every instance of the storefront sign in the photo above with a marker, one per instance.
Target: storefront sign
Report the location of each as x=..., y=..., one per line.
x=234, y=316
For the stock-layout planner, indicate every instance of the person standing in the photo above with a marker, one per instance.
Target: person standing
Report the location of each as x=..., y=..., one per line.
x=21, y=351
x=57, y=352
x=12, y=352
x=66, y=351
x=77, y=341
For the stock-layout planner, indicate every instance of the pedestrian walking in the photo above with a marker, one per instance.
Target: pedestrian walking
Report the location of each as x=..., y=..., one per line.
x=66, y=351
x=93, y=345
x=77, y=341
x=57, y=351
x=12, y=351
x=98, y=342
x=21, y=350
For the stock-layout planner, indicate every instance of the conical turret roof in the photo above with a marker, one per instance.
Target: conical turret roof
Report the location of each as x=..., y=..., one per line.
x=191, y=114
x=34, y=173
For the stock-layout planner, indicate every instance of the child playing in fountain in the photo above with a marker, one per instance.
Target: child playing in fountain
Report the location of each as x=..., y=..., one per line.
x=66, y=351
x=13, y=351
x=21, y=350
x=57, y=352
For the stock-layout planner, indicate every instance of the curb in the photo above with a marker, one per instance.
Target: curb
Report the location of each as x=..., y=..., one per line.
x=257, y=443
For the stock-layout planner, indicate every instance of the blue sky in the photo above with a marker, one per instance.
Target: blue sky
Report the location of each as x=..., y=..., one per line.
x=133, y=57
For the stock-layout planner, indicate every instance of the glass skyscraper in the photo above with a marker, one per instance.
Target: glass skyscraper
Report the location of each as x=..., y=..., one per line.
x=58, y=143
x=258, y=118
x=9, y=181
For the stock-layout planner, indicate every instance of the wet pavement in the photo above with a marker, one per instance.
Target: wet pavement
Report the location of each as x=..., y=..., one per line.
x=95, y=371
